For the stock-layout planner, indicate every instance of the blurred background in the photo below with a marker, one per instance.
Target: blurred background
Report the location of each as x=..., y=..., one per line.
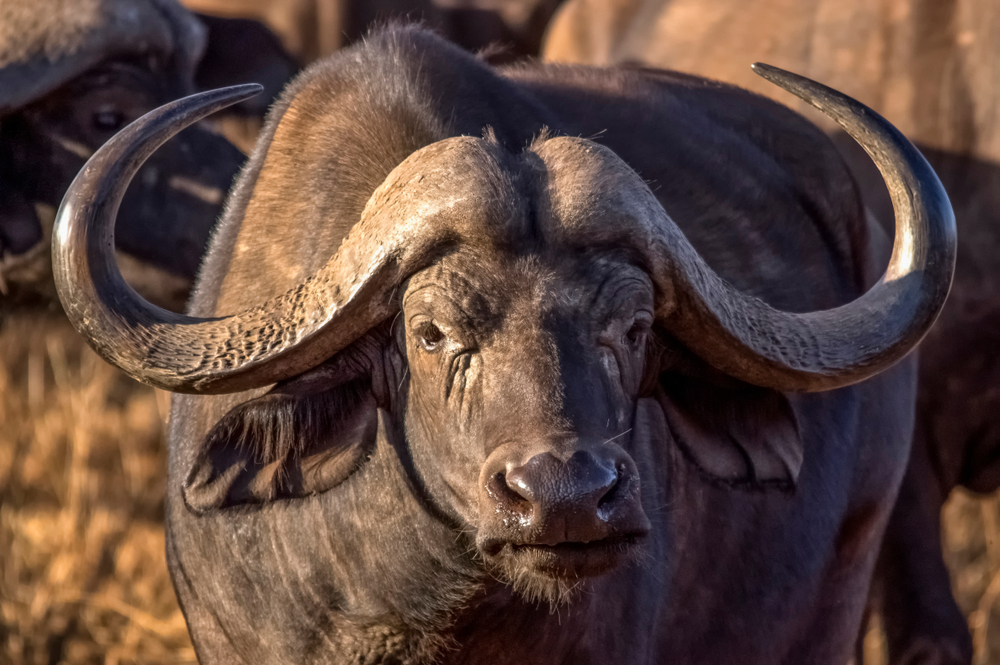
x=82, y=460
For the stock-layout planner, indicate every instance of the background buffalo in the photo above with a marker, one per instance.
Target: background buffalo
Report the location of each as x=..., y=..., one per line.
x=71, y=75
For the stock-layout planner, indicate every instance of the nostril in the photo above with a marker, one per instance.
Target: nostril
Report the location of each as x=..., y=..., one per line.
x=517, y=482
x=514, y=496
x=613, y=490
x=584, y=484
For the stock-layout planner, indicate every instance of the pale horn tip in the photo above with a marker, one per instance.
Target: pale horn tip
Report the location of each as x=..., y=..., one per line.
x=775, y=75
x=240, y=92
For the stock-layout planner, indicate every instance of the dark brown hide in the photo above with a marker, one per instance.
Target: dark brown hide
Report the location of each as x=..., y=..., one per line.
x=526, y=349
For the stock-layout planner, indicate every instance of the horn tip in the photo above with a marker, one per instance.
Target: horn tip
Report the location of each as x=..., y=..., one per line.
x=246, y=90
x=801, y=87
x=769, y=72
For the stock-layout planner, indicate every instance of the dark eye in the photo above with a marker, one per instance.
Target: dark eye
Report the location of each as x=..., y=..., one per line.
x=430, y=336
x=108, y=120
x=636, y=333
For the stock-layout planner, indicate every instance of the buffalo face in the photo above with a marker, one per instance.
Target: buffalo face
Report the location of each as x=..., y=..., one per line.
x=513, y=364
x=524, y=375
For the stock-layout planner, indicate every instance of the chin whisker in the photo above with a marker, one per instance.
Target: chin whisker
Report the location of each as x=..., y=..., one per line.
x=534, y=576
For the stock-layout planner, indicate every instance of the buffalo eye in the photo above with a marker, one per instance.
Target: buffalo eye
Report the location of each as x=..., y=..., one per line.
x=638, y=330
x=430, y=337
x=108, y=119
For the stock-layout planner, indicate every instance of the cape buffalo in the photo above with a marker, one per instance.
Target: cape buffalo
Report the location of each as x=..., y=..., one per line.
x=465, y=388
x=932, y=66
x=72, y=73
x=509, y=29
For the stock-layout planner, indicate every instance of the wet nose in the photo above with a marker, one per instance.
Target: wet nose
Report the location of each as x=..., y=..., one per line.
x=581, y=482
x=559, y=501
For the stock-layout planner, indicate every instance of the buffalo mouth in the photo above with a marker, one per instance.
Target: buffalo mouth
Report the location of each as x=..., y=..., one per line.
x=566, y=561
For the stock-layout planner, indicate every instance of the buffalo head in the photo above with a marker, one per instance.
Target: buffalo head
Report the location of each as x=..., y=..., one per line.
x=514, y=314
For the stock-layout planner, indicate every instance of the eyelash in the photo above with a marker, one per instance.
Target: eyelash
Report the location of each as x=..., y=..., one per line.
x=430, y=337
x=634, y=333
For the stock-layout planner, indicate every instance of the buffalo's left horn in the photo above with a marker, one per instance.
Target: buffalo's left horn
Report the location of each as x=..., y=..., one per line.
x=827, y=349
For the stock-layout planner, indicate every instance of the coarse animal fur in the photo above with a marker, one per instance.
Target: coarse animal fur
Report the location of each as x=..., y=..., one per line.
x=295, y=538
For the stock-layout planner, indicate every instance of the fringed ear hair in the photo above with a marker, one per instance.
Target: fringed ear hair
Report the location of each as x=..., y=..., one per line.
x=290, y=442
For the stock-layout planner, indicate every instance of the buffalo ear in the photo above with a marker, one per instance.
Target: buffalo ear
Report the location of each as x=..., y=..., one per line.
x=294, y=441
x=738, y=435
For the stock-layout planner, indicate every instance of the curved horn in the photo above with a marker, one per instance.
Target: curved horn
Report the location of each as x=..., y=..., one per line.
x=828, y=349
x=273, y=341
x=736, y=333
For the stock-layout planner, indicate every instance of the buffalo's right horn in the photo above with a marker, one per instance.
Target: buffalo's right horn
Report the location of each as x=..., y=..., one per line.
x=277, y=339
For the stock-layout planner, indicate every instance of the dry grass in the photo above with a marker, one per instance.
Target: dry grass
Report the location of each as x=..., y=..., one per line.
x=82, y=469
x=82, y=572
x=972, y=550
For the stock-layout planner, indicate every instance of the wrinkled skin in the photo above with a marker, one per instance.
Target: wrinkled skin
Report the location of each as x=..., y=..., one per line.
x=931, y=67
x=584, y=330
x=401, y=502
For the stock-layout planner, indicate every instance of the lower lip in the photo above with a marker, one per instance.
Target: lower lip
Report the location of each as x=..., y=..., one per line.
x=576, y=559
